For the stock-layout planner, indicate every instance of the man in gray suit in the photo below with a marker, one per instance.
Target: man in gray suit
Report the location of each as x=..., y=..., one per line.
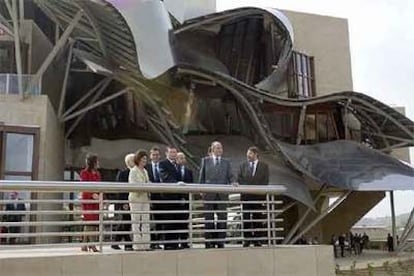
x=253, y=172
x=215, y=170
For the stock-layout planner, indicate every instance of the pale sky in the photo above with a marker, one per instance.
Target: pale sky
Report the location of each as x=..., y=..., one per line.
x=382, y=52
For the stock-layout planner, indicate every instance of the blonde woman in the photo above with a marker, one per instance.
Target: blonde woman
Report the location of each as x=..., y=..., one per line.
x=140, y=221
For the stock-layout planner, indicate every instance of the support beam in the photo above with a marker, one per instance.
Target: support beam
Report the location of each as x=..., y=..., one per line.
x=6, y=26
x=95, y=105
x=92, y=101
x=301, y=125
x=408, y=230
x=17, y=49
x=393, y=226
x=345, y=120
x=407, y=226
x=21, y=10
x=405, y=243
x=103, y=83
x=299, y=223
x=59, y=45
x=321, y=216
x=287, y=207
x=65, y=80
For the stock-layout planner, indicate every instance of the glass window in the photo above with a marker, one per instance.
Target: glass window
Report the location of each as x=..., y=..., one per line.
x=301, y=81
x=19, y=152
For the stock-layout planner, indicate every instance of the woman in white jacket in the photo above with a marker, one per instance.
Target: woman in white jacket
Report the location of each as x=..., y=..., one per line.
x=139, y=202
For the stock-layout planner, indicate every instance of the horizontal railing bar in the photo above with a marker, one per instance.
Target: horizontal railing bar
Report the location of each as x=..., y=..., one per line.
x=107, y=187
x=159, y=202
x=64, y=212
x=80, y=223
x=96, y=233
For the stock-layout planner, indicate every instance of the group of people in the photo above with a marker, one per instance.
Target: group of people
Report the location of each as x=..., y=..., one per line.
x=14, y=205
x=143, y=168
x=352, y=242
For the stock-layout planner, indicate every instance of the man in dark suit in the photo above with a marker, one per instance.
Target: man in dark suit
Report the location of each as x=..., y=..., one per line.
x=186, y=176
x=154, y=176
x=253, y=172
x=215, y=170
x=169, y=174
x=123, y=177
x=14, y=206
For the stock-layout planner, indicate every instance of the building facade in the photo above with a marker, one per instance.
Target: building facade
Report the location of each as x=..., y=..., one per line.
x=113, y=76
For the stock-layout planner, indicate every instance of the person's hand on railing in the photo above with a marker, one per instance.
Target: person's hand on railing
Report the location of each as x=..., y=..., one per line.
x=180, y=183
x=95, y=196
x=235, y=184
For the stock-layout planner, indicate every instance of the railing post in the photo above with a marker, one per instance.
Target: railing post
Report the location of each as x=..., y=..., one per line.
x=190, y=219
x=268, y=219
x=273, y=220
x=7, y=83
x=101, y=226
x=242, y=221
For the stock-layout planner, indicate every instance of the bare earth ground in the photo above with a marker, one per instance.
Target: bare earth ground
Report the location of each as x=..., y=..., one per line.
x=378, y=263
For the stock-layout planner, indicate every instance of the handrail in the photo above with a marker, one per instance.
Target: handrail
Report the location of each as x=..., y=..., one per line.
x=110, y=187
x=8, y=84
x=180, y=218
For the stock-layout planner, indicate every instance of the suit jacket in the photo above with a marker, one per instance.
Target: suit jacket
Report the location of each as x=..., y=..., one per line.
x=260, y=177
x=168, y=172
x=188, y=175
x=150, y=171
x=121, y=177
x=187, y=178
x=215, y=174
x=149, y=168
x=14, y=218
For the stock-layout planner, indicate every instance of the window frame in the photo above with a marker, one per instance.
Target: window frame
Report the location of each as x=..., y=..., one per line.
x=301, y=76
x=24, y=130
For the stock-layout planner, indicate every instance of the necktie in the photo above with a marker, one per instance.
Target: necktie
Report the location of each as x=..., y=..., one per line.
x=217, y=162
x=156, y=173
x=251, y=168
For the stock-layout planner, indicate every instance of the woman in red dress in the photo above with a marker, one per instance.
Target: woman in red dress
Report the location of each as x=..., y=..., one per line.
x=90, y=173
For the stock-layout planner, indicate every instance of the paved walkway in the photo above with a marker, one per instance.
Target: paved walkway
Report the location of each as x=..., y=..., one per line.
x=375, y=258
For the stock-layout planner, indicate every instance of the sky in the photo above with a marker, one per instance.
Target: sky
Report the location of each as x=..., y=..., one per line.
x=382, y=53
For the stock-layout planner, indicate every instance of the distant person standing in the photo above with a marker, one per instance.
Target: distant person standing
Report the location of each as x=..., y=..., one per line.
x=215, y=170
x=139, y=203
x=14, y=206
x=90, y=173
x=253, y=172
x=390, y=243
x=333, y=243
x=153, y=169
x=123, y=177
x=341, y=243
x=365, y=240
x=186, y=176
x=169, y=173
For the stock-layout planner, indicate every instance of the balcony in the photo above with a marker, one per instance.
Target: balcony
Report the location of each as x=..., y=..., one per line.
x=9, y=84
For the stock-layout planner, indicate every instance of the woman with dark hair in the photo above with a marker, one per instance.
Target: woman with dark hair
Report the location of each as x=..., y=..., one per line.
x=139, y=203
x=90, y=173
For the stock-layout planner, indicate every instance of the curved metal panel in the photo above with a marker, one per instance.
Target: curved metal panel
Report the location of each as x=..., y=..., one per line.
x=150, y=26
x=349, y=165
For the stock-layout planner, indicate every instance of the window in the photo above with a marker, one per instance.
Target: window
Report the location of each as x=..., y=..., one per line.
x=18, y=152
x=7, y=59
x=319, y=127
x=301, y=76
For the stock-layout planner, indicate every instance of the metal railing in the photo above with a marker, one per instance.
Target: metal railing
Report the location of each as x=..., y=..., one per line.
x=9, y=84
x=180, y=216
